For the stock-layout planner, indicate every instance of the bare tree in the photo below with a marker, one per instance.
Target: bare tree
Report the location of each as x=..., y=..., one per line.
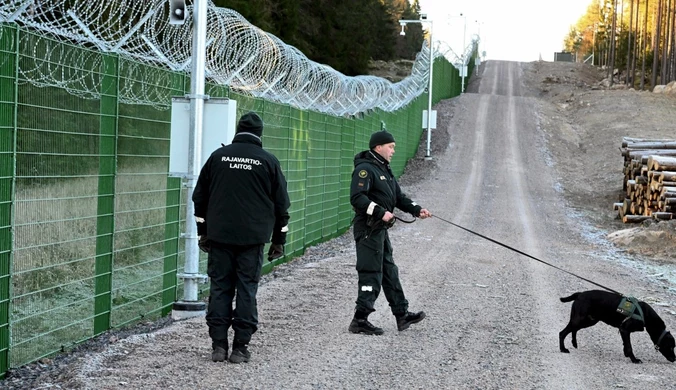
x=629, y=79
x=656, y=43
x=644, y=43
x=611, y=67
x=636, y=45
x=665, y=42
x=672, y=34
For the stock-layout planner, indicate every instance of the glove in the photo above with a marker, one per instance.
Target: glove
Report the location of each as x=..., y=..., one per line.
x=275, y=252
x=204, y=245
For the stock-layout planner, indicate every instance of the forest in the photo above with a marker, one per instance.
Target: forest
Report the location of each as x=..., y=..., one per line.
x=344, y=34
x=632, y=39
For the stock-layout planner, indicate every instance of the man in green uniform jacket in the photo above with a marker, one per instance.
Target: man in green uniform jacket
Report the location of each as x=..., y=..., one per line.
x=374, y=193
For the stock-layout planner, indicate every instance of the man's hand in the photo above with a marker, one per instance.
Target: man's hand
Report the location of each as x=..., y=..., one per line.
x=387, y=217
x=424, y=213
x=204, y=245
x=275, y=252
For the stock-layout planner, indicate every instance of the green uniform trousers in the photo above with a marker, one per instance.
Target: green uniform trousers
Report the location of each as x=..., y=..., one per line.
x=234, y=272
x=377, y=270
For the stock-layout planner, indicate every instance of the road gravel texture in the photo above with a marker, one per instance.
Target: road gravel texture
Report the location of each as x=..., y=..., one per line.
x=516, y=158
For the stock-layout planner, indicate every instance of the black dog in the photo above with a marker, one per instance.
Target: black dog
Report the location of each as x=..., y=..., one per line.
x=590, y=307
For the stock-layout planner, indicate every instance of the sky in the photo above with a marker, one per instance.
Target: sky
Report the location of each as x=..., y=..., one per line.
x=514, y=30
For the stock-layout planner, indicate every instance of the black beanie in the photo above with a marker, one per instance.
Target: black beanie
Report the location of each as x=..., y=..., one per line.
x=250, y=123
x=380, y=138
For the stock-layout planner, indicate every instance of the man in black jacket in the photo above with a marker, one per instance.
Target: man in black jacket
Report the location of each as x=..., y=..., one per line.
x=240, y=200
x=374, y=193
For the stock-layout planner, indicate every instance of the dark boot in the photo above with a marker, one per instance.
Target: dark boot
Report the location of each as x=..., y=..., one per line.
x=405, y=320
x=360, y=324
x=240, y=353
x=365, y=327
x=220, y=351
x=218, y=354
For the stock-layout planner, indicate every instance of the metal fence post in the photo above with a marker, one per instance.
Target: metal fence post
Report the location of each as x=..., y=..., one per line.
x=105, y=221
x=9, y=38
x=172, y=227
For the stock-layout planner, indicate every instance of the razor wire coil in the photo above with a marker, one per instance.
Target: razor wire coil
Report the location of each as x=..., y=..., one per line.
x=239, y=55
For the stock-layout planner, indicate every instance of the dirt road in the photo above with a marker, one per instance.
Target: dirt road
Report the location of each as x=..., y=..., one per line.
x=493, y=315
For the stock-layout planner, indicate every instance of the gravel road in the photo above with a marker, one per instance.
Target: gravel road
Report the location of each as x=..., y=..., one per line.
x=493, y=316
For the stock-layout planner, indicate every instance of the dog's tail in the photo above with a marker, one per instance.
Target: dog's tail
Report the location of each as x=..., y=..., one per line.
x=570, y=298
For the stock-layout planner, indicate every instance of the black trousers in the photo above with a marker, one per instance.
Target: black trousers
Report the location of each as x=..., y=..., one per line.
x=234, y=271
x=377, y=270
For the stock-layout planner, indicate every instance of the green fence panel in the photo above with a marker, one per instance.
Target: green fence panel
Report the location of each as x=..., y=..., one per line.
x=331, y=200
x=374, y=124
x=213, y=90
x=8, y=95
x=172, y=222
x=403, y=142
x=246, y=103
x=347, y=154
x=362, y=134
x=471, y=66
x=276, y=140
x=439, y=87
x=171, y=244
x=140, y=198
x=296, y=179
x=392, y=122
x=453, y=77
x=316, y=169
x=276, y=131
x=55, y=202
x=414, y=125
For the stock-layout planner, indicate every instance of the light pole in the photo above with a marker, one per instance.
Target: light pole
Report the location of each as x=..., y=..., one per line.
x=478, y=23
x=423, y=19
x=464, y=54
x=191, y=306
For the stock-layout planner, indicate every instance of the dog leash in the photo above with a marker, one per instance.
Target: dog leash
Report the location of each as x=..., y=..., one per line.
x=405, y=221
x=659, y=340
x=527, y=255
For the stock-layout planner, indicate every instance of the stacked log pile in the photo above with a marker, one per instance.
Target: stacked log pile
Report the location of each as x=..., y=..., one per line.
x=649, y=180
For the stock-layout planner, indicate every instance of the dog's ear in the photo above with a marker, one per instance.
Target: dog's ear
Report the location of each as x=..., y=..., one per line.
x=669, y=340
x=666, y=347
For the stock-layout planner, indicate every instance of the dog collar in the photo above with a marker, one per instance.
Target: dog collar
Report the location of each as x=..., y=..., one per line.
x=659, y=340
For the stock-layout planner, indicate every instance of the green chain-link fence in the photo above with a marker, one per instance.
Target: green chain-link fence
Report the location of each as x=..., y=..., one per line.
x=90, y=222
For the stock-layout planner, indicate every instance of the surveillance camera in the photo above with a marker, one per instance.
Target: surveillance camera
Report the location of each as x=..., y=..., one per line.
x=177, y=12
x=423, y=16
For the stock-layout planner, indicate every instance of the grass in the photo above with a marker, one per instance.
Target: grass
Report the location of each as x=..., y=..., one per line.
x=54, y=260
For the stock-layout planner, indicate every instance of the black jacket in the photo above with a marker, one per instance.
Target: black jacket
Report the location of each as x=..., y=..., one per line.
x=374, y=190
x=241, y=193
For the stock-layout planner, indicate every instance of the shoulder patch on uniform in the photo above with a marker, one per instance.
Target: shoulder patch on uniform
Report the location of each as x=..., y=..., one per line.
x=363, y=173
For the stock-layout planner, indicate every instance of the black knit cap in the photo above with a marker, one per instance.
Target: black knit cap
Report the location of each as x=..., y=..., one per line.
x=250, y=123
x=380, y=138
